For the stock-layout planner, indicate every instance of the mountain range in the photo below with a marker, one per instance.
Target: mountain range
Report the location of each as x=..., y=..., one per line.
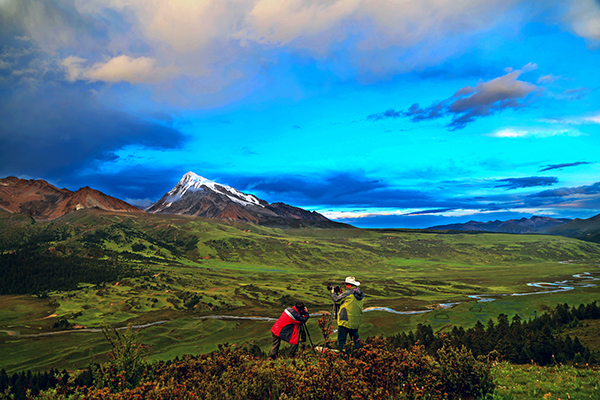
x=534, y=224
x=193, y=195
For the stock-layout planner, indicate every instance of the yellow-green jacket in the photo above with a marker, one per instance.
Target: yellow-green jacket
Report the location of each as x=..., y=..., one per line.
x=350, y=307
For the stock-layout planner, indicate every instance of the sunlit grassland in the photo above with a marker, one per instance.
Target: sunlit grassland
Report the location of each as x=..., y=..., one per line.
x=242, y=270
x=516, y=382
x=588, y=333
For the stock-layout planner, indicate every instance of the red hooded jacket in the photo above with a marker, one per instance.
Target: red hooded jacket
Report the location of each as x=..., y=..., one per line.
x=286, y=327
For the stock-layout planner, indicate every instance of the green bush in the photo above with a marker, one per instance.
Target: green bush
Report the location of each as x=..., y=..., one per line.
x=126, y=366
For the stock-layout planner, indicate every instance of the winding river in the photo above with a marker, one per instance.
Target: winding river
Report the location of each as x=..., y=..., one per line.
x=581, y=280
x=547, y=287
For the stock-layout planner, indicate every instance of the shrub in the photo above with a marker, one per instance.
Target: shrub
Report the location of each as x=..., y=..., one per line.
x=126, y=366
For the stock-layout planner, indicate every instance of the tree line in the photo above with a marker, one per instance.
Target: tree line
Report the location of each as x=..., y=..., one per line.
x=538, y=340
x=27, y=273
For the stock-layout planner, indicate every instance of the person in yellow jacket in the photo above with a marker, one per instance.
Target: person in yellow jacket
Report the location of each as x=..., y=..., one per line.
x=350, y=308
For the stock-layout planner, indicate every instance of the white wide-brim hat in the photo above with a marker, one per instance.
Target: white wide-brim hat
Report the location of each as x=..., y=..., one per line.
x=351, y=281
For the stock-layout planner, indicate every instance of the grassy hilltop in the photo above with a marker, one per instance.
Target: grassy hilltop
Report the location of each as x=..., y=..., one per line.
x=180, y=272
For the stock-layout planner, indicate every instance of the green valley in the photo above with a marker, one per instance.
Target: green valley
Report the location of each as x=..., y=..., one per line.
x=179, y=276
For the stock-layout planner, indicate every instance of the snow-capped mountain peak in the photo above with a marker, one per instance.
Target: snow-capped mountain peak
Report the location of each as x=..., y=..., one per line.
x=201, y=197
x=192, y=182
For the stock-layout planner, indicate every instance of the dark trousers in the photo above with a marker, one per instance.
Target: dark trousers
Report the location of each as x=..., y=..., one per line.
x=343, y=333
x=275, y=347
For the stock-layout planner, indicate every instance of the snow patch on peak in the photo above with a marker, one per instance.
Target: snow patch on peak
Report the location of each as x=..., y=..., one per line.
x=194, y=182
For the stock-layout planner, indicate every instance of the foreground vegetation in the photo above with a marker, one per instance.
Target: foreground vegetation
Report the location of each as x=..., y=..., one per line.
x=376, y=371
x=509, y=382
x=381, y=369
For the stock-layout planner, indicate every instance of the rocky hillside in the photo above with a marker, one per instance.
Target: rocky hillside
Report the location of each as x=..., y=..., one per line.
x=43, y=201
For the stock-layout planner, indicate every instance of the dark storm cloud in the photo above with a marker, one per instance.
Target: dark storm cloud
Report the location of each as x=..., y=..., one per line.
x=391, y=113
x=52, y=129
x=574, y=199
x=531, y=181
x=470, y=103
x=356, y=191
x=593, y=189
x=560, y=166
x=56, y=131
x=338, y=189
x=332, y=189
x=136, y=185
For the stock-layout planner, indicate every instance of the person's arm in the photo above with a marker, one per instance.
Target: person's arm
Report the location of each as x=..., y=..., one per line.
x=304, y=316
x=339, y=297
x=296, y=316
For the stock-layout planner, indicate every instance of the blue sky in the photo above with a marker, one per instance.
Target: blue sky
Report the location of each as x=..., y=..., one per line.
x=407, y=113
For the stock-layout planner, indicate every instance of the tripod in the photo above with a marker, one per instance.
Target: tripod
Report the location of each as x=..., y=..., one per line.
x=332, y=315
x=304, y=331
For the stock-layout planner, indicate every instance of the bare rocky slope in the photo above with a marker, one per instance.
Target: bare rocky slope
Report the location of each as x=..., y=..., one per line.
x=43, y=201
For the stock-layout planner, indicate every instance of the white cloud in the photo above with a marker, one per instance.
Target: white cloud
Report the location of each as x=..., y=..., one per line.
x=533, y=132
x=459, y=212
x=594, y=118
x=129, y=69
x=580, y=120
x=584, y=18
x=143, y=41
x=203, y=37
x=548, y=78
x=73, y=67
x=118, y=69
x=362, y=214
x=282, y=21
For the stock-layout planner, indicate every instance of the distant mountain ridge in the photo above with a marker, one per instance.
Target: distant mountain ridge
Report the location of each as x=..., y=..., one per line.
x=534, y=224
x=584, y=229
x=197, y=196
x=41, y=200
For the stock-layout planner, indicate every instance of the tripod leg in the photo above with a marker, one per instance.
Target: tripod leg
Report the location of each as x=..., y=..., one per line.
x=309, y=338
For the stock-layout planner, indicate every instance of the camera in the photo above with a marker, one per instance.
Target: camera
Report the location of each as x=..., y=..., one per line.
x=336, y=288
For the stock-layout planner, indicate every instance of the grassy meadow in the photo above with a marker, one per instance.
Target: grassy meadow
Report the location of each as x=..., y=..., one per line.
x=523, y=382
x=190, y=270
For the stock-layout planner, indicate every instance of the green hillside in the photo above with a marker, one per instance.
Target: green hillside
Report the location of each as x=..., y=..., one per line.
x=93, y=267
x=584, y=229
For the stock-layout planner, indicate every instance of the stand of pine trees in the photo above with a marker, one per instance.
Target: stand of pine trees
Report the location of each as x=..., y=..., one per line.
x=520, y=342
x=27, y=273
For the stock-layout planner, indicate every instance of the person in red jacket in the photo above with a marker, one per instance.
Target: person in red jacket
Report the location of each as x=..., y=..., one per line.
x=287, y=328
